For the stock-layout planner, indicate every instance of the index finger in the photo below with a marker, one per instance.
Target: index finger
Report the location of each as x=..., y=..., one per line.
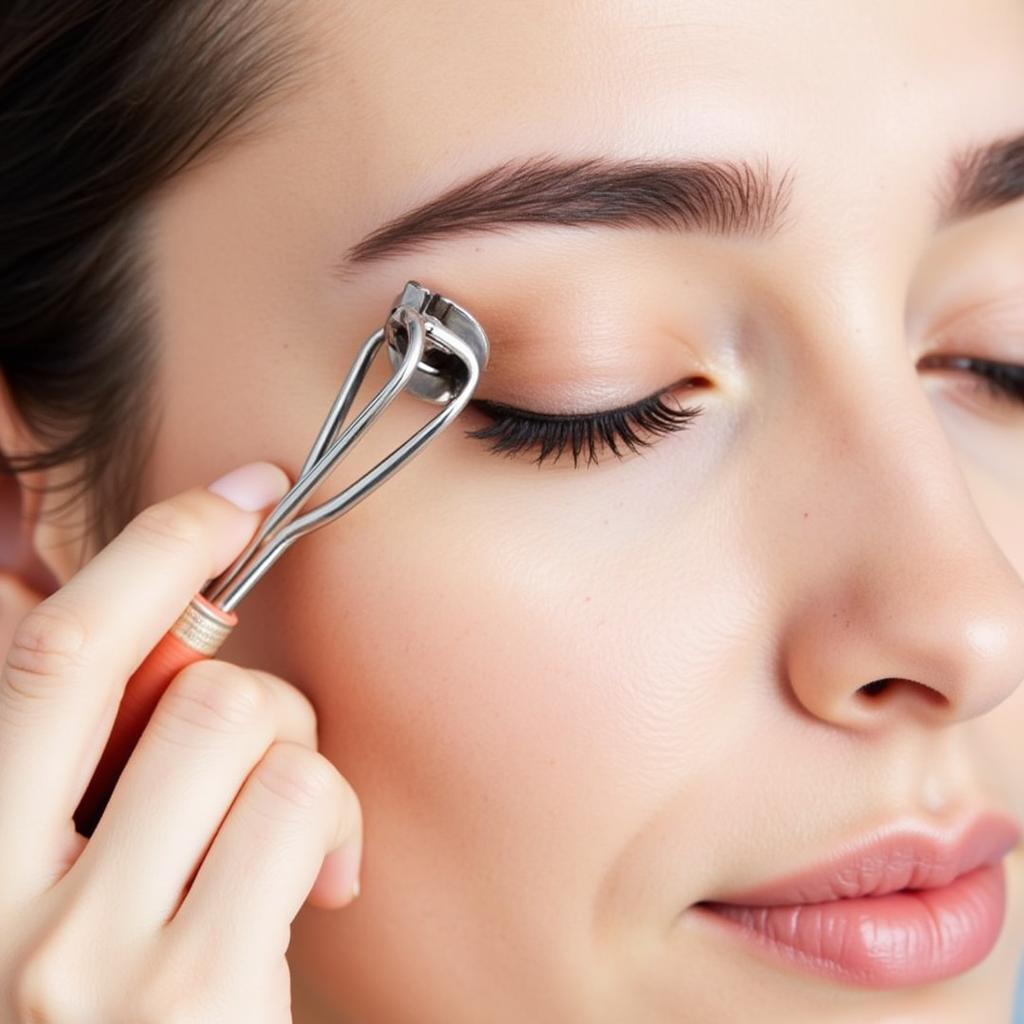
x=71, y=656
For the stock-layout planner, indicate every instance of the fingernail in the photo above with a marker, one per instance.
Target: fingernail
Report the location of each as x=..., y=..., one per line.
x=252, y=487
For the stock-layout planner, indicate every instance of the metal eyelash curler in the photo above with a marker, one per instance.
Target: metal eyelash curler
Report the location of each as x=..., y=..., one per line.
x=439, y=351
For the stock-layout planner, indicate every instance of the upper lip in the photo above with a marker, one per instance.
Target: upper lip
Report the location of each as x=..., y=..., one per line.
x=907, y=856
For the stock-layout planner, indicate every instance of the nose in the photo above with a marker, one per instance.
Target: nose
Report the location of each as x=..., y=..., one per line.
x=901, y=605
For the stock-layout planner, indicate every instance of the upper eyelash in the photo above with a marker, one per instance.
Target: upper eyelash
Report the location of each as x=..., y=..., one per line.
x=515, y=430
x=1000, y=380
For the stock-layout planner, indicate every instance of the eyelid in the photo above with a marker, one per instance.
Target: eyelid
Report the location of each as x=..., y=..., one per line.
x=989, y=325
x=520, y=412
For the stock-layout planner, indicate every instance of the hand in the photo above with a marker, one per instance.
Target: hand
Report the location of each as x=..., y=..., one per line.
x=179, y=906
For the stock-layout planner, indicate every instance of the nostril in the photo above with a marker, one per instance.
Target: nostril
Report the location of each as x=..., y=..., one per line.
x=875, y=688
x=878, y=688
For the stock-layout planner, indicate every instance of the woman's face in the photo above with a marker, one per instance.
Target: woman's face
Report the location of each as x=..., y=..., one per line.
x=578, y=700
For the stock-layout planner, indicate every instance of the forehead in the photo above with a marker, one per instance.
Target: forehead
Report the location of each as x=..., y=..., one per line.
x=664, y=70
x=408, y=99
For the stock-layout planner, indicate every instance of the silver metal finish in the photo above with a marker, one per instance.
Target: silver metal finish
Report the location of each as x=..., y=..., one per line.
x=439, y=351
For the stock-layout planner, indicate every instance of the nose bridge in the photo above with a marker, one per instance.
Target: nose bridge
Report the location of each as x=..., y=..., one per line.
x=888, y=481
x=890, y=570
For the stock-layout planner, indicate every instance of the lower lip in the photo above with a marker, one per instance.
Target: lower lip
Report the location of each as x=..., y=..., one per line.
x=883, y=942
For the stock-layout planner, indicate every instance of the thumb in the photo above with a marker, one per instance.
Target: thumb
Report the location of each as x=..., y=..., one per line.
x=252, y=488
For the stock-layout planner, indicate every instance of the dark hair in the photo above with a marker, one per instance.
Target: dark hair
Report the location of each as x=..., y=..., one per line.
x=101, y=103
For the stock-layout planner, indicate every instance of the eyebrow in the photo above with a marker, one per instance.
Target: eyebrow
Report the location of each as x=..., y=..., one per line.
x=981, y=178
x=723, y=198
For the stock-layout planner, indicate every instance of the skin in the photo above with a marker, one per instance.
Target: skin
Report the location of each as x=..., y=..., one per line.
x=573, y=703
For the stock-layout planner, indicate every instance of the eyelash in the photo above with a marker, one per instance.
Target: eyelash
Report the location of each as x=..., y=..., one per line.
x=517, y=430
x=1002, y=381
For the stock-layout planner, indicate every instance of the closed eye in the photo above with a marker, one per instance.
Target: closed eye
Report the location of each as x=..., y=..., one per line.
x=1002, y=381
x=515, y=431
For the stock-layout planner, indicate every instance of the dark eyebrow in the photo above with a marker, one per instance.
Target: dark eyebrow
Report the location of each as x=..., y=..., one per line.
x=722, y=198
x=726, y=198
x=982, y=178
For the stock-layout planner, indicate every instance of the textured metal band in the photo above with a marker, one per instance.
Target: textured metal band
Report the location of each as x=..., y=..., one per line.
x=200, y=630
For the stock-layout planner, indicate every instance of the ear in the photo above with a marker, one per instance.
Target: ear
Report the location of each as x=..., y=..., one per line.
x=25, y=579
x=27, y=574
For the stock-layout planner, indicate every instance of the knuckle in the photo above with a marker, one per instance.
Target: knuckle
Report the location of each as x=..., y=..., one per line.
x=168, y=526
x=291, y=777
x=212, y=697
x=44, y=993
x=46, y=645
x=301, y=718
x=351, y=808
x=347, y=820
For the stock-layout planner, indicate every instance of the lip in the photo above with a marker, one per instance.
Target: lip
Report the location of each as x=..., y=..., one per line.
x=905, y=906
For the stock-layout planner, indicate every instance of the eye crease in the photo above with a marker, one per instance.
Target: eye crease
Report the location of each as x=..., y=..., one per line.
x=515, y=431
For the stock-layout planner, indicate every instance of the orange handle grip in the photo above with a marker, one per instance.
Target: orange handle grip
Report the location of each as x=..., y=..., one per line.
x=197, y=634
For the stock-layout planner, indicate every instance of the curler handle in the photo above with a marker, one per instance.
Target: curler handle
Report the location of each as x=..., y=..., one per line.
x=197, y=635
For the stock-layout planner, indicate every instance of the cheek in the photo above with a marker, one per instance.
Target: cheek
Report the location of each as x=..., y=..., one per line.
x=449, y=648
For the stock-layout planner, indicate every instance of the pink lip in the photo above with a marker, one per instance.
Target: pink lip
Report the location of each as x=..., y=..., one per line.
x=849, y=918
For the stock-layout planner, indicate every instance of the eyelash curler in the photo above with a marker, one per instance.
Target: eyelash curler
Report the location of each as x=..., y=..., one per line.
x=438, y=350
